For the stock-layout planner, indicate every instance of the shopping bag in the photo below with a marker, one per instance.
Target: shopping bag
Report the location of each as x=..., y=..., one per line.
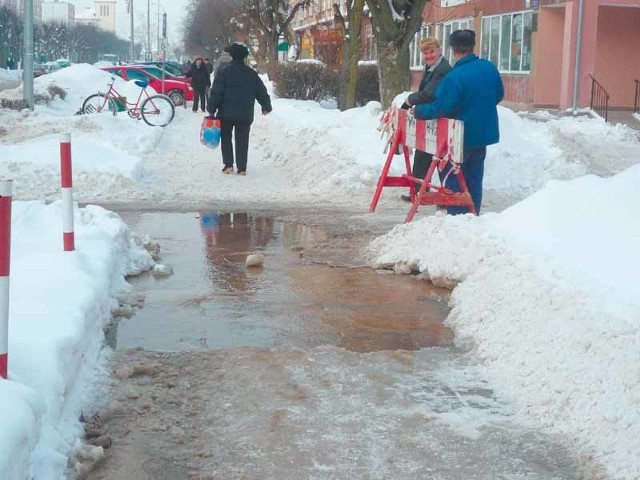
x=210, y=132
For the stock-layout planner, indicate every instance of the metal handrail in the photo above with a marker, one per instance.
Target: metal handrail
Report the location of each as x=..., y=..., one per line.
x=599, y=99
x=636, y=103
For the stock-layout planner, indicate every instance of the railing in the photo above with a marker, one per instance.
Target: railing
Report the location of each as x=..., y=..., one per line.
x=636, y=103
x=599, y=99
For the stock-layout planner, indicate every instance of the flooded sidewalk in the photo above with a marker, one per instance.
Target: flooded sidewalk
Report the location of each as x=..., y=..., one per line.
x=300, y=369
x=214, y=301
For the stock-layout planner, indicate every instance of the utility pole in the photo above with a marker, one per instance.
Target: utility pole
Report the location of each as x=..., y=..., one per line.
x=149, y=29
x=27, y=66
x=132, y=45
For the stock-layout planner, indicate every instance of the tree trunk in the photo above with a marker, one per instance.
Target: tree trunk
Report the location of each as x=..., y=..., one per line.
x=393, y=71
x=272, y=66
x=352, y=56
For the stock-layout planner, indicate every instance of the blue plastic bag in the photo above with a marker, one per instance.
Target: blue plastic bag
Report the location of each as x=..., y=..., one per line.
x=210, y=132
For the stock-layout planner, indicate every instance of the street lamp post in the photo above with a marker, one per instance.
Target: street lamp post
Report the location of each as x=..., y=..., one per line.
x=158, y=7
x=132, y=44
x=27, y=62
x=149, y=28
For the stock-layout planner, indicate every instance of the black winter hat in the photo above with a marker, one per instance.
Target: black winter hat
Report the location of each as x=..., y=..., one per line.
x=237, y=51
x=463, y=38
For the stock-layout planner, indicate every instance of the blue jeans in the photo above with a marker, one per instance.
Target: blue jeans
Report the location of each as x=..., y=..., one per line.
x=473, y=172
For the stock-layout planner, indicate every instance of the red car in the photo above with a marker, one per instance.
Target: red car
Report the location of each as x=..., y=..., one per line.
x=176, y=90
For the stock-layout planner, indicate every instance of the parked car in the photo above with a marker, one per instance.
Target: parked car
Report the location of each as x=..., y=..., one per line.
x=157, y=72
x=38, y=70
x=171, y=67
x=177, y=91
x=51, y=67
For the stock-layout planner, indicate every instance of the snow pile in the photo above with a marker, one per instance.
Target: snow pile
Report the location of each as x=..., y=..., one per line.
x=78, y=81
x=549, y=303
x=10, y=75
x=59, y=304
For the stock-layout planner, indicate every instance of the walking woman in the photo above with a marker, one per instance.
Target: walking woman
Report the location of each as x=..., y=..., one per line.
x=200, y=82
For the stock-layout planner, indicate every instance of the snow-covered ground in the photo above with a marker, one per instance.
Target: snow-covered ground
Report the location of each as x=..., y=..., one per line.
x=546, y=294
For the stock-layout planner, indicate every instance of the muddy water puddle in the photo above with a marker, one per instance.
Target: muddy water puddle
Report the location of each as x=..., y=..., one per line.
x=214, y=301
x=299, y=369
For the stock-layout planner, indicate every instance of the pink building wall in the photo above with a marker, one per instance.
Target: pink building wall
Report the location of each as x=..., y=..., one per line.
x=547, y=67
x=618, y=53
x=600, y=32
x=610, y=49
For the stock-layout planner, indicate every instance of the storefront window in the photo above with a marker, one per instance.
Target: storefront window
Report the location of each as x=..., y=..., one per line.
x=506, y=41
x=526, y=41
x=494, y=51
x=485, y=42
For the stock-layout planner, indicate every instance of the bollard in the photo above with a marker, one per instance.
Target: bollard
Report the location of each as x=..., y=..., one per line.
x=5, y=257
x=68, y=237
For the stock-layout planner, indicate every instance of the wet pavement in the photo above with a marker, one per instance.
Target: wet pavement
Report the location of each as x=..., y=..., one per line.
x=213, y=301
x=301, y=369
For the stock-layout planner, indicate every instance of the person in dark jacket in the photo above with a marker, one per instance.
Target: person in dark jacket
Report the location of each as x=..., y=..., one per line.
x=200, y=82
x=235, y=89
x=436, y=67
x=209, y=65
x=471, y=93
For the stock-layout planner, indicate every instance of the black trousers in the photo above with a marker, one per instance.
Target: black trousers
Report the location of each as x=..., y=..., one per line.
x=240, y=131
x=202, y=96
x=421, y=164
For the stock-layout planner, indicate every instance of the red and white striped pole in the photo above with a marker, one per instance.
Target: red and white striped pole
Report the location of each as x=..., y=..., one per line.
x=5, y=257
x=68, y=237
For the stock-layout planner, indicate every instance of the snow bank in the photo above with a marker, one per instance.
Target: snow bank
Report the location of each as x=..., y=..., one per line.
x=548, y=301
x=59, y=304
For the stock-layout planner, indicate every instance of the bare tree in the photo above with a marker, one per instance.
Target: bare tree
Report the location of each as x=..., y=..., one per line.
x=210, y=25
x=273, y=17
x=395, y=22
x=351, y=26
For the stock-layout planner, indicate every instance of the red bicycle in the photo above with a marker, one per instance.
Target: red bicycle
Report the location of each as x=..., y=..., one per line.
x=155, y=110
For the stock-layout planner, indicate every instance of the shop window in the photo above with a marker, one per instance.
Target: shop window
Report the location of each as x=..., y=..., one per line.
x=506, y=41
x=443, y=30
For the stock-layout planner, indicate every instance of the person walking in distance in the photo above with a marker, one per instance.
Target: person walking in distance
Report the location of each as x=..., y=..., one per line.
x=200, y=82
x=209, y=65
x=471, y=93
x=436, y=67
x=236, y=87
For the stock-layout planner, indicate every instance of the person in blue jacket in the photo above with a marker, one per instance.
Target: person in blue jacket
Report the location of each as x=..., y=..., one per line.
x=471, y=93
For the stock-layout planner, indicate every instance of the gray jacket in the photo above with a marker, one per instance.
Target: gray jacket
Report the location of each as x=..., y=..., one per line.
x=431, y=78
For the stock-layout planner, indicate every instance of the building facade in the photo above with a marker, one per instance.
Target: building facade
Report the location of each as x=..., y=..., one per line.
x=106, y=13
x=535, y=44
x=317, y=34
x=58, y=12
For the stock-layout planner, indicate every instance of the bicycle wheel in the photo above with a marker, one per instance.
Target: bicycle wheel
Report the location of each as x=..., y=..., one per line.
x=98, y=103
x=157, y=111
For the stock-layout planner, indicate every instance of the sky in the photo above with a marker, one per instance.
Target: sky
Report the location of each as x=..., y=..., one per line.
x=175, y=15
x=546, y=298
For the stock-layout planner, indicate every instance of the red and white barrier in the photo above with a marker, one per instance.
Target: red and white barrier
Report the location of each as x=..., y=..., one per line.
x=5, y=257
x=442, y=137
x=68, y=236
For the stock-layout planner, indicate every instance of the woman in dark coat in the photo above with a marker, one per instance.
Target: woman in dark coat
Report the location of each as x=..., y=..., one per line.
x=200, y=82
x=236, y=87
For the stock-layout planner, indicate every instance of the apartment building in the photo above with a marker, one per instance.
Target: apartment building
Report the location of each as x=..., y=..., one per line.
x=102, y=15
x=59, y=12
x=535, y=43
